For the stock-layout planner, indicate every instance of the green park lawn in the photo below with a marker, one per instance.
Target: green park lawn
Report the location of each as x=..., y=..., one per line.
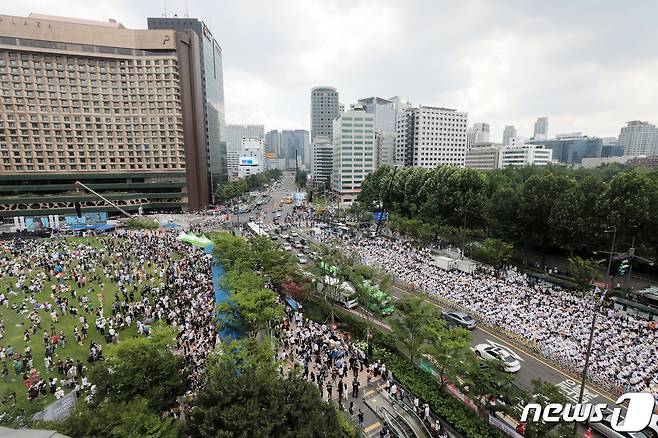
x=15, y=325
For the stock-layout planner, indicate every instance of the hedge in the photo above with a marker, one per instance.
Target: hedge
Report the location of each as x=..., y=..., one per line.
x=428, y=389
x=415, y=380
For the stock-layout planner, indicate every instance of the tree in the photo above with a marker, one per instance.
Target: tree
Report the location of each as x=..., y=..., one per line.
x=544, y=393
x=487, y=382
x=140, y=367
x=575, y=217
x=300, y=178
x=632, y=199
x=273, y=262
x=448, y=349
x=411, y=328
x=299, y=292
x=242, y=398
x=494, y=252
x=584, y=271
x=502, y=212
x=251, y=306
x=129, y=419
x=537, y=200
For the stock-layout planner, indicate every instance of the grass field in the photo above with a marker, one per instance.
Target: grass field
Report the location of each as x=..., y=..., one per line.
x=16, y=323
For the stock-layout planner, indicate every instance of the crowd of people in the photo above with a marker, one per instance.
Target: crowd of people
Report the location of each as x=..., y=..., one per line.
x=558, y=322
x=58, y=283
x=340, y=368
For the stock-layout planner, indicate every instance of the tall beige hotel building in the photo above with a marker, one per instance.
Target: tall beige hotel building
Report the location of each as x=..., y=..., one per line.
x=137, y=115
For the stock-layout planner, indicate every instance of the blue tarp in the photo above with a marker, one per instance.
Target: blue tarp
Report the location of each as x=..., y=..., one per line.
x=221, y=295
x=292, y=303
x=170, y=226
x=98, y=227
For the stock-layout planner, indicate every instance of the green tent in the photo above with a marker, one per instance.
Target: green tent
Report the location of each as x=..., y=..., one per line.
x=201, y=241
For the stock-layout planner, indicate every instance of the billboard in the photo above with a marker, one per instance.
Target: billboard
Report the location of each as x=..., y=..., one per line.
x=248, y=161
x=36, y=223
x=87, y=219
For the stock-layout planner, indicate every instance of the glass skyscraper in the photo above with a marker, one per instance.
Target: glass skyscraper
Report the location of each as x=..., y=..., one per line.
x=212, y=80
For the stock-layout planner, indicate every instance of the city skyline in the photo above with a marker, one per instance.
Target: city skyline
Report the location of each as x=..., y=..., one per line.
x=504, y=66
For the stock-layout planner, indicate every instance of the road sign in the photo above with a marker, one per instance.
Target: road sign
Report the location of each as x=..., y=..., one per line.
x=380, y=216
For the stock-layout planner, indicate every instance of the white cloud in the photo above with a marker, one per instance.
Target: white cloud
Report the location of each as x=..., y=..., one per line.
x=588, y=65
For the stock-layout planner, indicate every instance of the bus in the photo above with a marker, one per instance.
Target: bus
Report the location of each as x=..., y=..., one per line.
x=379, y=302
x=343, y=293
x=255, y=229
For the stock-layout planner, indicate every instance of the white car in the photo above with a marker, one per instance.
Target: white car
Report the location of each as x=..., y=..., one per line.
x=287, y=247
x=490, y=352
x=284, y=236
x=294, y=234
x=302, y=260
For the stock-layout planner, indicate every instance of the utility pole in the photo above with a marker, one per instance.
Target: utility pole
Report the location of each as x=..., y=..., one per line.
x=630, y=255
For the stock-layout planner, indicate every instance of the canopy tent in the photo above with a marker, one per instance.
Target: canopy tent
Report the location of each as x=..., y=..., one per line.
x=201, y=241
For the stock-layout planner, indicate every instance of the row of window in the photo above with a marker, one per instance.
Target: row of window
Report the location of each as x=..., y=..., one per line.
x=90, y=167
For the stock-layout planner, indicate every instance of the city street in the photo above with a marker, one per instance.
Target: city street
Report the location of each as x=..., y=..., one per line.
x=532, y=366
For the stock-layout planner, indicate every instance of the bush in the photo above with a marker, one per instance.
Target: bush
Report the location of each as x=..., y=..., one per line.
x=141, y=224
x=349, y=429
x=427, y=388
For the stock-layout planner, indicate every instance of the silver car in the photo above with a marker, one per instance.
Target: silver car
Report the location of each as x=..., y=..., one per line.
x=457, y=318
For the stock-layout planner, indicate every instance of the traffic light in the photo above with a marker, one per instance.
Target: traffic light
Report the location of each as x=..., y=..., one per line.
x=623, y=266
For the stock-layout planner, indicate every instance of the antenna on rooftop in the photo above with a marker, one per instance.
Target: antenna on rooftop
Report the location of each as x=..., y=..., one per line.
x=164, y=14
x=187, y=9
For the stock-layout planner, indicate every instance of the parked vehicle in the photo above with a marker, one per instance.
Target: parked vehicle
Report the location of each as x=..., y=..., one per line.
x=459, y=319
x=379, y=302
x=343, y=293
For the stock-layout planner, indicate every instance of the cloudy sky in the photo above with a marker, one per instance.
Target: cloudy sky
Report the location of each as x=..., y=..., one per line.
x=589, y=66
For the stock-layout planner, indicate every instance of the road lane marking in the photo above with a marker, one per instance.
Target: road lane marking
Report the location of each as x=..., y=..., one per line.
x=521, y=349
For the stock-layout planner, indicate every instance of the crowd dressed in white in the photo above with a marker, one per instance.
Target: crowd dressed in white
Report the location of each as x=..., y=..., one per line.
x=625, y=348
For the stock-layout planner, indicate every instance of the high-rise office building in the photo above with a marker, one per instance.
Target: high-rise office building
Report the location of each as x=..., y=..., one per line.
x=273, y=142
x=639, y=138
x=384, y=111
x=354, y=152
x=295, y=143
x=483, y=156
x=611, y=147
x=322, y=162
x=211, y=73
x=385, y=149
x=324, y=109
x=252, y=154
x=430, y=136
x=478, y=133
x=572, y=148
x=526, y=155
x=95, y=102
x=541, y=129
x=235, y=134
x=508, y=133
